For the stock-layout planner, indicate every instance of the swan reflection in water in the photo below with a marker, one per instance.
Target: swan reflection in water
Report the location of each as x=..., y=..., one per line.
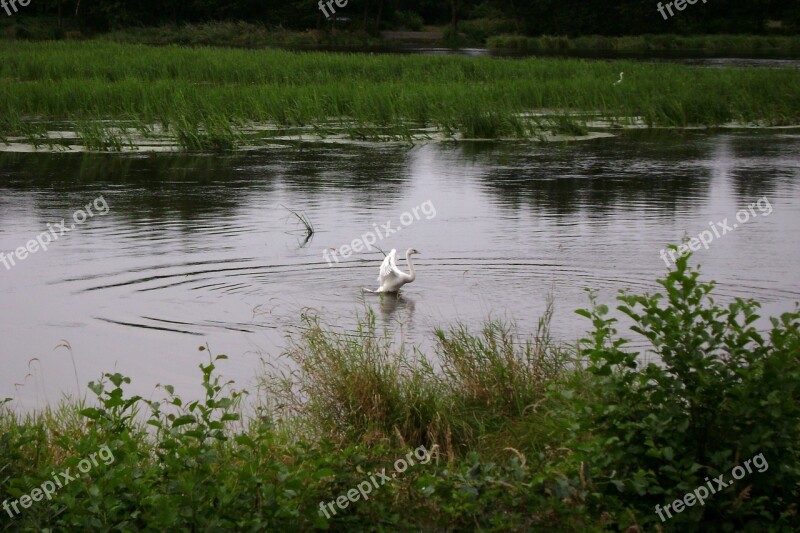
x=397, y=307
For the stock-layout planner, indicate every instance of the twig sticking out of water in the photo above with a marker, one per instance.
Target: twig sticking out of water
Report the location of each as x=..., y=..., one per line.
x=303, y=218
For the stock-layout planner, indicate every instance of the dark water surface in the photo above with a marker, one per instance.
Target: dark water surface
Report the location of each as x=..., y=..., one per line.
x=198, y=249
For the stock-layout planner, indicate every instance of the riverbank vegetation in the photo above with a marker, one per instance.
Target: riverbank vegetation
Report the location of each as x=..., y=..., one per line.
x=210, y=98
x=726, y=45
x=524, y=434
x=232, y=34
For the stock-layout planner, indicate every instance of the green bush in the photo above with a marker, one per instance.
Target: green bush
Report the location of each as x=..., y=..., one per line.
x=408, y=20
x=514, y=42
x=717, y=393
x=478, y=30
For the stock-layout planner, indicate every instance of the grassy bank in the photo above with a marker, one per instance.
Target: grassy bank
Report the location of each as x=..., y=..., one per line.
x=515, y=434
x=726, y=45
x=244, y=35
x=204, y=97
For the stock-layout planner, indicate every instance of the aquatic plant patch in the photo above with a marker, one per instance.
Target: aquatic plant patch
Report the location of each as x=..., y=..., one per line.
x=201, y=96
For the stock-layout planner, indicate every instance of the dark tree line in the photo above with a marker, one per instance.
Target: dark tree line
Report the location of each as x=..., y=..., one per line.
x=556, y=17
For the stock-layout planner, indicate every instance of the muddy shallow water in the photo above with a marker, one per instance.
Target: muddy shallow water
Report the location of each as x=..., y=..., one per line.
x=201, y=249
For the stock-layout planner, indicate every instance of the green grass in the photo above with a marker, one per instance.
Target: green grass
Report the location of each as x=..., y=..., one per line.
x=205, y=96
x=476, y=391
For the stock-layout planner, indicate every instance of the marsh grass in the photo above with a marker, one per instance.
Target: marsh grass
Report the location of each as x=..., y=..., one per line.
x=355, y=385
x=214, y=133
x=365, y=387
x=98, y=136
x=564, y=124
x=206, y=96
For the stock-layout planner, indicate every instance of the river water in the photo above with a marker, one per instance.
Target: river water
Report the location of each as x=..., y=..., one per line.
x=197, y=249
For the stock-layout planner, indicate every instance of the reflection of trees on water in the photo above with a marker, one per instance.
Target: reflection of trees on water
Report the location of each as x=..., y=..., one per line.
x=667, y=172
x=763, y=165
x=152, y=186
x=376, y=172
x=664, y=171
x=193, y=187
x=596, y=176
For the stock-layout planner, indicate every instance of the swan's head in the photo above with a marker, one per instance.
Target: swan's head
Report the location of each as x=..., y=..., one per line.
x=411, y=251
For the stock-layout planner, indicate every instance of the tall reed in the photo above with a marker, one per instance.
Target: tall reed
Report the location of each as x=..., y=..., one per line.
x=208, y=94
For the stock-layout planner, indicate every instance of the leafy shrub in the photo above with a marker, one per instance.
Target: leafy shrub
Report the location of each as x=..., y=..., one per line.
x=408, y=20
x=718, y=393
x=514, y=42
x=21, y=32
x=478, y=30
x=15, y=441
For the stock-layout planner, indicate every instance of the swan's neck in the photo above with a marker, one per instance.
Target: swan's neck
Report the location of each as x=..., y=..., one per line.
x=411, y=272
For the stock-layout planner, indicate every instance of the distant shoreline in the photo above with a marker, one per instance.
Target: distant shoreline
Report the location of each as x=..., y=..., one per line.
x=344, y=39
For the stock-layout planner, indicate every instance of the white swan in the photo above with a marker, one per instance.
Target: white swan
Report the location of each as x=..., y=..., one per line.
x=621, y=74
x=392, y=278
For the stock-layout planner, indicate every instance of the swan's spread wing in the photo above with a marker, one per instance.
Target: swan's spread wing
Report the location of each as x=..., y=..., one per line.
x=389, y=267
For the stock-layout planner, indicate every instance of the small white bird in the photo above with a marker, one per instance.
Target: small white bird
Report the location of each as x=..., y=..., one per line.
x=392, y=278
x=621, y=74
